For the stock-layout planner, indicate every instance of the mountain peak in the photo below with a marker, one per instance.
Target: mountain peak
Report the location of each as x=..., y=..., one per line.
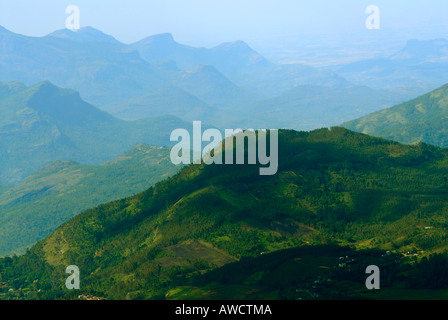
x=4, y=31
x=159, y=39
x=64, y=105
x=164, y=36
x=47, y=86
x=85, y=34
x=235, y=44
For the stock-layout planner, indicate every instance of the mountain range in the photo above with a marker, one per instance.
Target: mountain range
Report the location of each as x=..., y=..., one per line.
x=420, y=66
x=106, y=71
x=43, y=123
x=220, y=85
x=33, y=209
x=228, y=232
x=238, y=62
x=86, y=177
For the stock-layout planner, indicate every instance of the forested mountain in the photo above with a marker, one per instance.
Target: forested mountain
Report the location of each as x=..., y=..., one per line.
x=44, y=123
x=422, y=119
x=34, y=208
x=334, y=188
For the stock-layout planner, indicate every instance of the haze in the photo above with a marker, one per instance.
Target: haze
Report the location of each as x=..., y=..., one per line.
x=283, y=30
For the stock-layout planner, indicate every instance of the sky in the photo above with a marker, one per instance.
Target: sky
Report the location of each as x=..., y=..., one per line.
x=268, y=25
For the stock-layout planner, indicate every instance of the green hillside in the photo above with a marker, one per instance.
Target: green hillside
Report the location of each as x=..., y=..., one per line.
x=33, y=209
x=422, y=119
x=340, y=192
x=238, y=62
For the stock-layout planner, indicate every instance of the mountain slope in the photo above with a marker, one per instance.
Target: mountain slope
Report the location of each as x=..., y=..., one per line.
x=36, y=207
x=332, y=187
x=44, y=123
x=421, y=119
x=227, y=57
x=85, y=34
x=168, y=100
x=211, y=86
x=311, y=107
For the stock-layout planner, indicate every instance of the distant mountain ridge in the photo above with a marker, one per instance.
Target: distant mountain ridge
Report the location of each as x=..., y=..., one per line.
x=420, y=66
x=238, y=62
x=231, y=55
x=423, y=50
x=170, y=99
x=106, y=71
x=44, y=123
x=309, y=107
x=85, y=34
x=102, y=71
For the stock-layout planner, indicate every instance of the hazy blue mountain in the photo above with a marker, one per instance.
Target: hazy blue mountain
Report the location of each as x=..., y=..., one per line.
x=106, y=71
x=227, y=57
x=423, y=51
x=38, y=205
x=168, y=100
x=238, y=62
x=44, y=123
x=277, y=79
x=85, y=34
x=311, y=107
x=162, y=47
x=211, y=86
x=103, y=70
x=421, y=119
x=419, y=67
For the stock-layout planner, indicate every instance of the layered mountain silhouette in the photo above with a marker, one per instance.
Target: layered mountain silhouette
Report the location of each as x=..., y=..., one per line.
x=333, y=187
x=159, y=76
x=44, y=123
x=238, y=62
x=102, y=71
x=106, y=71
x=420, y=66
